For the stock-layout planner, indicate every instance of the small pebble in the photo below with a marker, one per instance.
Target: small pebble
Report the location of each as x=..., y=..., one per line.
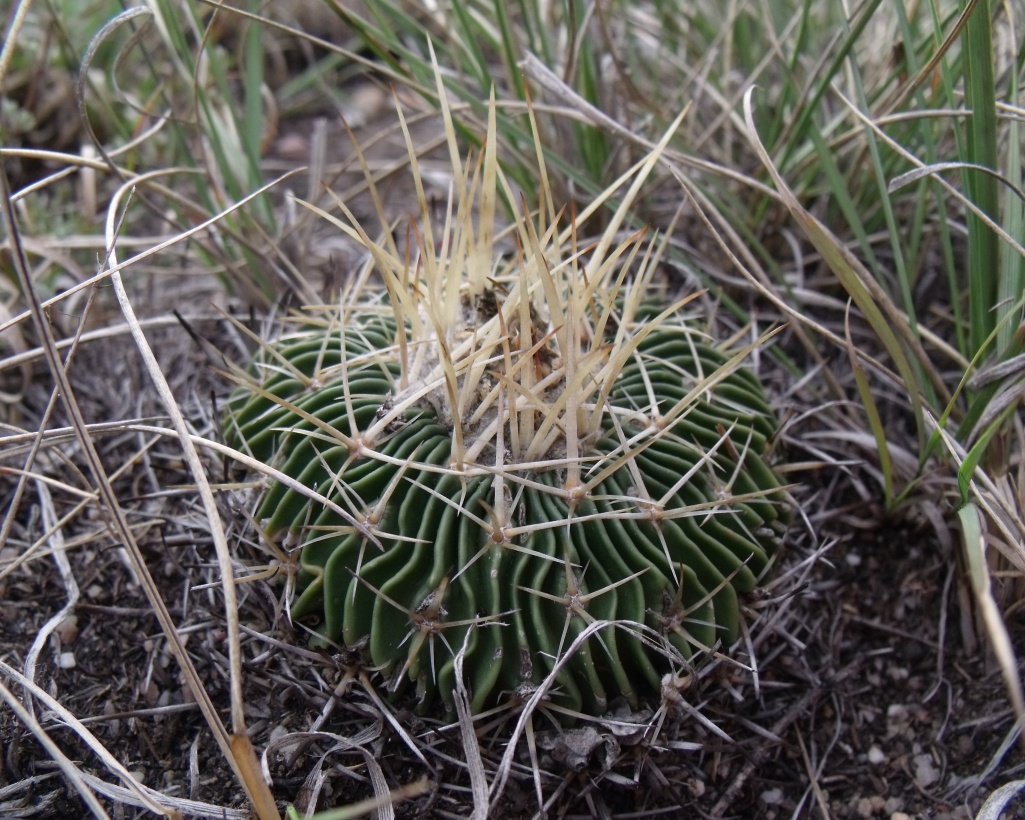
x=925, y=771
x=772, y=797
x=66, y=660
x=876, y=756
x=293, y=147
x=151, y=694
x=67, y=630
x=277, y=733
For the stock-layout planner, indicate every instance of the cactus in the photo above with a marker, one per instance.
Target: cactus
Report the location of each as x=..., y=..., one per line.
x=515, y=446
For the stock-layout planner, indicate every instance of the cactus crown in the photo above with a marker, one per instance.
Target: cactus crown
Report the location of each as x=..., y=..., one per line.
x=513, y=451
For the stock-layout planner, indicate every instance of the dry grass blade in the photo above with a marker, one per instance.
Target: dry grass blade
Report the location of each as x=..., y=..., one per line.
x=112, y=267
x=86, y=498
x=915, y=174
x=239, y=751
x=747, y=267
x=996, y=803
x=927, y=71
x=875, y=421
x=583, y=110
x=886, y=320
x=60, y=557
x=149, y=799
x=471, y=746
x=180, y=807
x=974, y=541
x=540, y=694
x=36, y=443
x=83, y=74
x=109, y=331
x=106, y=490
x=65, y=765
x=813, y=777
x=11, y=36
x=974, y=544
x=356, y=57
x=375, y=804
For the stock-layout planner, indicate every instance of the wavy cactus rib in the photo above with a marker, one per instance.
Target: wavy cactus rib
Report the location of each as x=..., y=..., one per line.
x=534, y=448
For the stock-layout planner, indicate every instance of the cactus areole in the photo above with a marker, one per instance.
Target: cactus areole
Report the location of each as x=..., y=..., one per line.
x=523, y=460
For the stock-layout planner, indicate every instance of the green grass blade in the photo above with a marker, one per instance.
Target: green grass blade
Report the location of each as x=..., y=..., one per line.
x=865, y=292
x=981, y=149
x=875, y=422
x=476, y=63
x=255, y=117
x=979, y=450
x=825, y=78
x=1012, y=264
x=511, y=50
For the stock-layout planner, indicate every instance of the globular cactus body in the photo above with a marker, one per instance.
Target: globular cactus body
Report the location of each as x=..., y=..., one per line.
x=514, y=451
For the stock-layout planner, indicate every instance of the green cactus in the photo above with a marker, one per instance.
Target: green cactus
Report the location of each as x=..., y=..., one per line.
x=515, y=447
